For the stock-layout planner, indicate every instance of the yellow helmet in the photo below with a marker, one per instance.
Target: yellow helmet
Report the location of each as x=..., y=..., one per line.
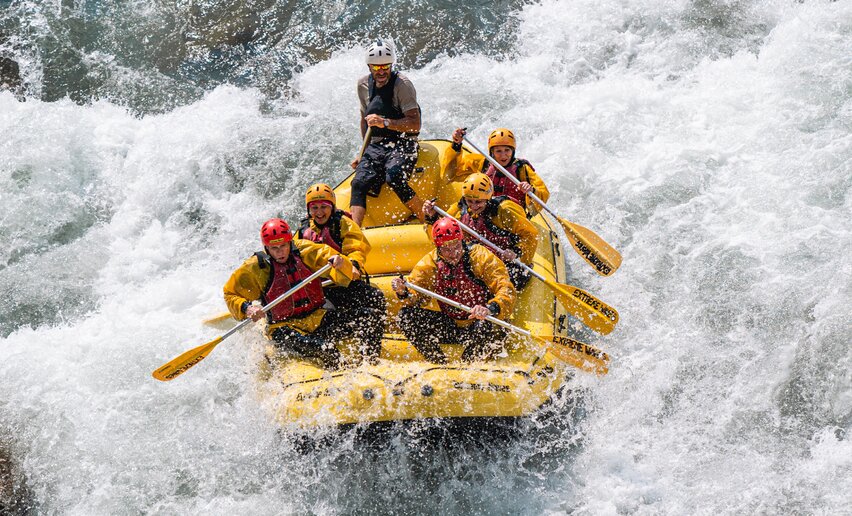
x=478, y=186
x=320, y=192
x=501, y=136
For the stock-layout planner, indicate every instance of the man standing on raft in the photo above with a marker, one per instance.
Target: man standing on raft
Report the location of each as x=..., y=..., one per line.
x=389, y=109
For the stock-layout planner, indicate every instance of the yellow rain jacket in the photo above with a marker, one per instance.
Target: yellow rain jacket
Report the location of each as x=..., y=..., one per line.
x=249, y=281
x=484, y=265
x=459, y=165
x=355, y=245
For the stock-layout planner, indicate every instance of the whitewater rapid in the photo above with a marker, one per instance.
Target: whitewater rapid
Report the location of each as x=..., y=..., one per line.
x=709, y=142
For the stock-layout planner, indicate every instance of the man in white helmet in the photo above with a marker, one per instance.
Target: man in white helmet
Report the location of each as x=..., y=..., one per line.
x=388, y=105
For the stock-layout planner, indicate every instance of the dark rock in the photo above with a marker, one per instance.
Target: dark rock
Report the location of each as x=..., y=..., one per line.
x=15, y=497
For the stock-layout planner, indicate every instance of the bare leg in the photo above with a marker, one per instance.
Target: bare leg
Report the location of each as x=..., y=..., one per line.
x=358, y=213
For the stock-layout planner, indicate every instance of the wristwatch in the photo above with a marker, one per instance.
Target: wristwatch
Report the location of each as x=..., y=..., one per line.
x=386, y=122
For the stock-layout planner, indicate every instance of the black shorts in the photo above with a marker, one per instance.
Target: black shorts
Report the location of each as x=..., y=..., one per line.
x=390, y=161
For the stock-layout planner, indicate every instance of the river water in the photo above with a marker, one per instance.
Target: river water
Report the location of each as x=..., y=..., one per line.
x=143, y=143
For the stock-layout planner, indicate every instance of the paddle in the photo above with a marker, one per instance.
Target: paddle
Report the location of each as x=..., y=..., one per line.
x=215, y=320
x=572, y=352
x=590, y=310
x=366, y=141
x=184, y=362
x=586, y=242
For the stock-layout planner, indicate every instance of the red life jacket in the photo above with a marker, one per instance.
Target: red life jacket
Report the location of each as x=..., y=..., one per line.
x=504, y=186
x=485, y=226
x=282, y=278
x=329, y=233
x=458, y=283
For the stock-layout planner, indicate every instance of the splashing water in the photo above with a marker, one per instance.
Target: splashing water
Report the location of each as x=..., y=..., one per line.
x=708, y=141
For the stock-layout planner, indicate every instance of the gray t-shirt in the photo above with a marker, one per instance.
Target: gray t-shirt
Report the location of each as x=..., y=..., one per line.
x=404, y=95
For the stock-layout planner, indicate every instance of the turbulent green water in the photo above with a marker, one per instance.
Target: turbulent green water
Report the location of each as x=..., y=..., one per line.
x=143, y=143
x=155, y=56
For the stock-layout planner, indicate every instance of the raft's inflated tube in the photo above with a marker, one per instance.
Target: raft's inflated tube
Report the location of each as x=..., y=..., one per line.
x=399, y=248
x=403, y=386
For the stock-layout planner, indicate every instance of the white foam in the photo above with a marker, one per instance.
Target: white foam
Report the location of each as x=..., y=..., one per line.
x=724, y=182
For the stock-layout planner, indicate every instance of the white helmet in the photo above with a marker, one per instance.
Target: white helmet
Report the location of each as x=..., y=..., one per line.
x=381, y=52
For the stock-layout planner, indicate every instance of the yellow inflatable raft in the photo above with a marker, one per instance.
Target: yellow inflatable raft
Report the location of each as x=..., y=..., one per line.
x=403, y=385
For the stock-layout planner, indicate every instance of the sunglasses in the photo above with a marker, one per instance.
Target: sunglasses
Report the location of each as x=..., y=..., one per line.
x=377, y=68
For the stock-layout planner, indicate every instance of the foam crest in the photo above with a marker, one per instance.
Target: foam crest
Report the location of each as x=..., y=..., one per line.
x=709, y=143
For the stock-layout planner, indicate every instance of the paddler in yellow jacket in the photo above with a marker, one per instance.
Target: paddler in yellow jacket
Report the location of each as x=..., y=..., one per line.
x=466, y=273
x=499, y=219
x=501, y=146
x=299, y=325
x=334, y=227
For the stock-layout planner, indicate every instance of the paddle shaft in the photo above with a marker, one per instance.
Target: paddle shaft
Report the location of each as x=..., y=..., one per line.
x=279, y=299
x=293, y=290
x=512, y=178
x=572, y=351
x=227, y=315
x=579, y=302
x=187, y=360
x=456, y=304
x=489, y=243
x=366, y=141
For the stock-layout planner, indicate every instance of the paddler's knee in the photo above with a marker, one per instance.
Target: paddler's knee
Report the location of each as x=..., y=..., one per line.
x=288, y=341
x=358, y=213
x=481, y=351
x=519, y=276
x=432, y=352
x=331, y=360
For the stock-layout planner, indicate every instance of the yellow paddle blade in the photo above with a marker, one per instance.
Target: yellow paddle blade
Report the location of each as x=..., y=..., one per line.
x=592, y=248
x=217, y=319
x=590, y=310
x=184, y=362
x=578, y=354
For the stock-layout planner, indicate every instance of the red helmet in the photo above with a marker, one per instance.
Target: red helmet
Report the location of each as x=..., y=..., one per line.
x=275, y=232
x=446, y=230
